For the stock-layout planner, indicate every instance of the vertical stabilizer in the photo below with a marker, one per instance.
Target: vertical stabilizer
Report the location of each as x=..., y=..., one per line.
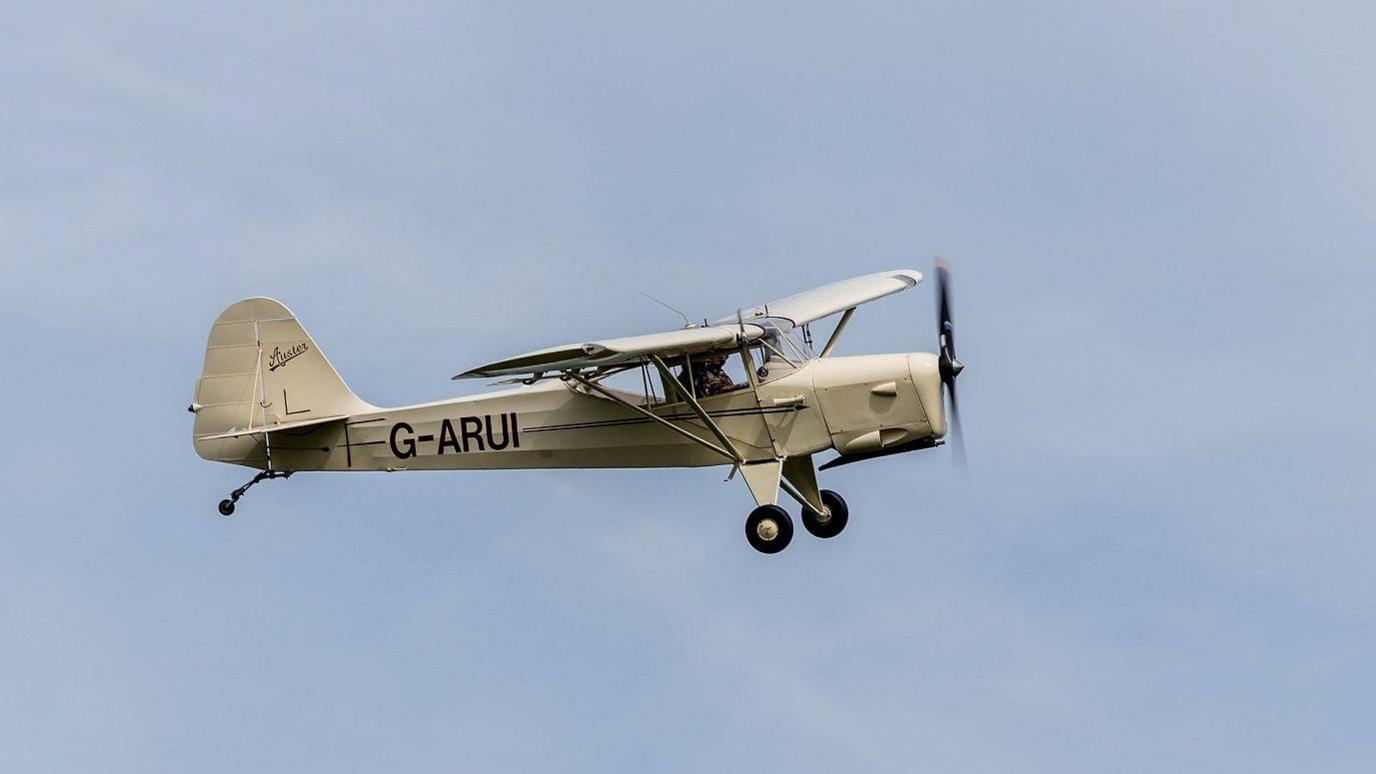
x=261, y=370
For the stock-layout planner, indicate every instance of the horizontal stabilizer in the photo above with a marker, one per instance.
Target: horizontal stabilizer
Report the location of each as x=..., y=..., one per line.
x=304, y=423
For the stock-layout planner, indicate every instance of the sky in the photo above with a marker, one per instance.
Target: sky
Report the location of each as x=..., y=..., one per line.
x=1160, y=220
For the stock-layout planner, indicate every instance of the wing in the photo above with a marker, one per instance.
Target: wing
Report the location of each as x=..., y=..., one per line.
x=827, y=300
x=610, y=352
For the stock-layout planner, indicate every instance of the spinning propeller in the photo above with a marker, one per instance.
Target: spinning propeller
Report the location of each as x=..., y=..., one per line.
x=948, y=364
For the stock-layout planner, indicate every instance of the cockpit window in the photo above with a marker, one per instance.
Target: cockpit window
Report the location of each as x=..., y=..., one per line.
x=784, y=350
x=716, y=373
x=713, y=374
x=796, y=346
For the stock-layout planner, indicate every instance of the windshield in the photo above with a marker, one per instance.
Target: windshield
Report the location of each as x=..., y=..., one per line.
x=782, y=352
x=795, y=347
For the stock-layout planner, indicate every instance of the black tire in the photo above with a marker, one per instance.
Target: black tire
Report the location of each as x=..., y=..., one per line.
x=226, y=507
x=831, y=526
x=763, y=537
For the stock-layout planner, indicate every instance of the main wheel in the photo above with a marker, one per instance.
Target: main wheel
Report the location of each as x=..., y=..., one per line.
x=831, y=524
x=226, y=507
x=769, y=528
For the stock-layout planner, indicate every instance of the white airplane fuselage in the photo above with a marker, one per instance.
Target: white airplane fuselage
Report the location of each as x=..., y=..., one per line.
x=854, y=404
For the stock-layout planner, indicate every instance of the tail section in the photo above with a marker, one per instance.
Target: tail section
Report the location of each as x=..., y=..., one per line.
x=262, y=370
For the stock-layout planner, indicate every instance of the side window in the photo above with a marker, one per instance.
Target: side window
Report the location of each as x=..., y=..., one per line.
x=714, y=374
x=735, y=370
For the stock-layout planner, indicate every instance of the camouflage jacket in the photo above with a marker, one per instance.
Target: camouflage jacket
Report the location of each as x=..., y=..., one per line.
x=715, y=381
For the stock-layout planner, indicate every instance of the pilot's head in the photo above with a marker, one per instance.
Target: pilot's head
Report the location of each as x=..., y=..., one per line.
x=717, y=361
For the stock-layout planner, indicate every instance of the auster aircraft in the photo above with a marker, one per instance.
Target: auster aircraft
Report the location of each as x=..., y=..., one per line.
x=268, y=399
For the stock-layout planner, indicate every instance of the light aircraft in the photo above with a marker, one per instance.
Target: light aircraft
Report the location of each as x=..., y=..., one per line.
x=269, y=399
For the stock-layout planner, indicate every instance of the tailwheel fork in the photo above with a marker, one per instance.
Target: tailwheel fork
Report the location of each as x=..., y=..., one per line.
x=227, y=505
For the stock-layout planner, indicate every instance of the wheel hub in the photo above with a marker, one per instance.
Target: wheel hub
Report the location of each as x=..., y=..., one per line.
x=767, y=529
x=824, y=516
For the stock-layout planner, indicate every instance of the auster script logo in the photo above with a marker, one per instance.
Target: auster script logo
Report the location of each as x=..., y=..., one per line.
x=278, y=358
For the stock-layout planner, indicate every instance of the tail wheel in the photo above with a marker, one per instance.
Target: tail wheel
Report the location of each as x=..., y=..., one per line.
x=830, y=524
x=769, y=529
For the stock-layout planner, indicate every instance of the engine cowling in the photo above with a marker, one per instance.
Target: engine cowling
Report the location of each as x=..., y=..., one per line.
x=874, y=402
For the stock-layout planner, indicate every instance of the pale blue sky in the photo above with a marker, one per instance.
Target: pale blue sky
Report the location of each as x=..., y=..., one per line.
x=1160, y=216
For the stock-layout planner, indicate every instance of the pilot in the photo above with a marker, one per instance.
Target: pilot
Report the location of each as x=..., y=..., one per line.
x=715, y=380
x=709, y=377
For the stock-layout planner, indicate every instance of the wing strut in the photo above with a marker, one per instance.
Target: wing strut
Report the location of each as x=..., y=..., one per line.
x=836, y=334
x=733, y=455
x=692, y=402
x=752, y=375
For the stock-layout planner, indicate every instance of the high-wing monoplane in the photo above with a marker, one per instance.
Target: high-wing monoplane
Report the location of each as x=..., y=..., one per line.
x=746, y=391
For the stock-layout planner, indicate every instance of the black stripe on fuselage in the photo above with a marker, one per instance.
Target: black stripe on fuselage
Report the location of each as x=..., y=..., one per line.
x=741, y=412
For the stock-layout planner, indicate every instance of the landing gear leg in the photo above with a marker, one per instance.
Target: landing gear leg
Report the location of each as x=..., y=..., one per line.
x=227, y=505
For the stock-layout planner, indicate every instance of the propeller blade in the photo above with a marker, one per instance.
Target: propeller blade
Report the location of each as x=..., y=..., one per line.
x=943, y=301
x=950, y=365
x=953, y=422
